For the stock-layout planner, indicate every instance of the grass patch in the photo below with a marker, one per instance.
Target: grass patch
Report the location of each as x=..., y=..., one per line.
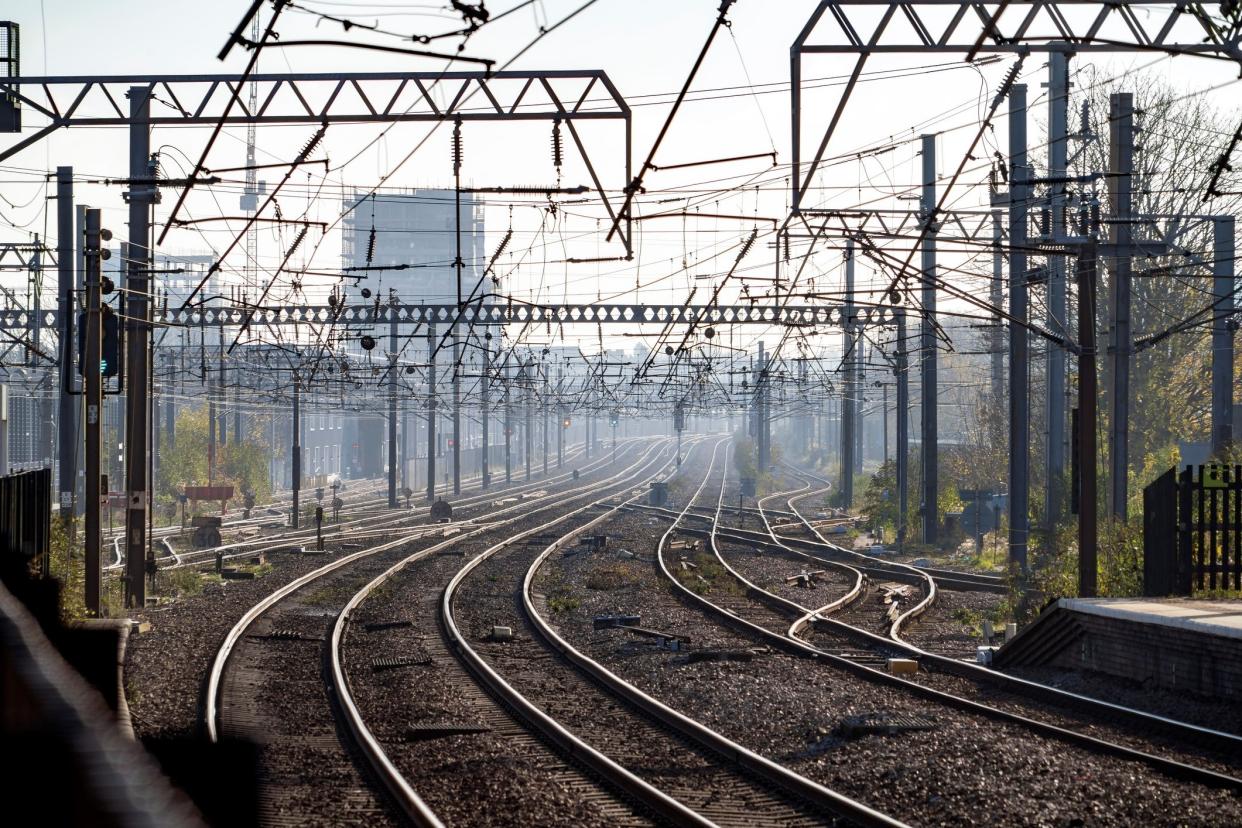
x=560, y=595
x=322, y=596
x=560, y=604
x=177, y=583
x=258, y=570
x=708, y=577
x=610, y=576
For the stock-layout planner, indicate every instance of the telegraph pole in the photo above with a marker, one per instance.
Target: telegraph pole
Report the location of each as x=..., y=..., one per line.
x=1019, y=345
x=1088, y=389
x=485, y=469
x=1121, y=345
x=849, y=391
x=929, y=424
x=456, y=411
x=295, y=459
x=1223, y=326
x=67, y=419
x=95, y=252
x=1058, y=152
x=903, y=428
x=393, y=503
x=431, y=412
x=137, y=368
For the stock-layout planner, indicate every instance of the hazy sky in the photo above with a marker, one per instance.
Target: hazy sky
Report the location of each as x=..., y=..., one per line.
x=646, y=47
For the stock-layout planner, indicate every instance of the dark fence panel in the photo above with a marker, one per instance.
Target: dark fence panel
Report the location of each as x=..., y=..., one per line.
x=1160, y=536
x=1192, y=531
x=25, y=516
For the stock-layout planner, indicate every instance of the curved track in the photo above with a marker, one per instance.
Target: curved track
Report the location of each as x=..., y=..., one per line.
x=844, y=639
x=271, y=689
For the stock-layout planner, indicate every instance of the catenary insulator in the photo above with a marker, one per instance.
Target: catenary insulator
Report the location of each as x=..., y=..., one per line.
x=558, y=150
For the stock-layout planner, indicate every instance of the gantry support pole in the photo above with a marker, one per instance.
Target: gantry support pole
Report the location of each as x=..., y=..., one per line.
x=546, y=397
x=849, y=387
x=931, y=393
x=527, y=435
x=903, y=428
x=431, y=413
x=859, y=400
x=1121, y=345
x=763, y=438
x=508, y=424
x=560, y=418
x=295, y=457
x=485, y=462
x=393, y=459
x=92, y=384
x=67, y=412
x=1088, y=389
x=456, y=411
x=996, y=295
x=137, y=368
x=1058, y=153
x=1223, y=324
x=1019, y=344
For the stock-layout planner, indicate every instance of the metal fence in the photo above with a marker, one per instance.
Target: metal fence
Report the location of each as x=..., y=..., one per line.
x=1192, y=530
x=25, y=516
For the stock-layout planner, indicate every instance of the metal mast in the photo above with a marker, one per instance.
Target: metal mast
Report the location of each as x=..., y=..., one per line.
x=250, y=196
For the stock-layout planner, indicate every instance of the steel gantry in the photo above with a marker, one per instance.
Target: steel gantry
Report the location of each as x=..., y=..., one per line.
x=144, y=102
x=866, y=29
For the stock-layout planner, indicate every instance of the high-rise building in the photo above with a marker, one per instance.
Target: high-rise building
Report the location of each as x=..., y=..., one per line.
x=416, y=228
x=418, y=231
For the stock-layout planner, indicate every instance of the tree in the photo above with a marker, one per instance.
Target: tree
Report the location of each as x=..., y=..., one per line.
x=1180, y=138
x=242, y=464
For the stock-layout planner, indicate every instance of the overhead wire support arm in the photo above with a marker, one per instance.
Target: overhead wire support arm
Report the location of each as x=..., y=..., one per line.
x=865, y=28
x=635, y=186
x=236, y=37
x=216, y=266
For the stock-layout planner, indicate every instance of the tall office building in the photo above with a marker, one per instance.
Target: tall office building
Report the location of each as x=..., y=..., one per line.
x=416, y=229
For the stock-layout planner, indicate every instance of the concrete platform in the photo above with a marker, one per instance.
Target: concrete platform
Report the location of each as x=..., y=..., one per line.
x=1177, y=644
x=1209, y=617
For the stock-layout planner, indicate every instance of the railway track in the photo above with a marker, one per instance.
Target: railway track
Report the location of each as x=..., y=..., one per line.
x=372, y=504
x=253, y=670
x=1124, y=734
x=626, y=749
x=897, y=641
x=771, y=794
x=371, y=511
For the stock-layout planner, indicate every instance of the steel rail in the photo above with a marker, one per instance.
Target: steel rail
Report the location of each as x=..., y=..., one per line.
x=215, y=675
x=850, y=596
x=411, y=804
x=1221, y=740
x=1162, y=764
x=748, y=760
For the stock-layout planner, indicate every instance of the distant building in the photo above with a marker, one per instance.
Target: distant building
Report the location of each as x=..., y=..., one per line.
x=416, y=229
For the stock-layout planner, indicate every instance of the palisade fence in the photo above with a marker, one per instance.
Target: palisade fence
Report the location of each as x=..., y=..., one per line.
x=26, y=517
x=1192, y=530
